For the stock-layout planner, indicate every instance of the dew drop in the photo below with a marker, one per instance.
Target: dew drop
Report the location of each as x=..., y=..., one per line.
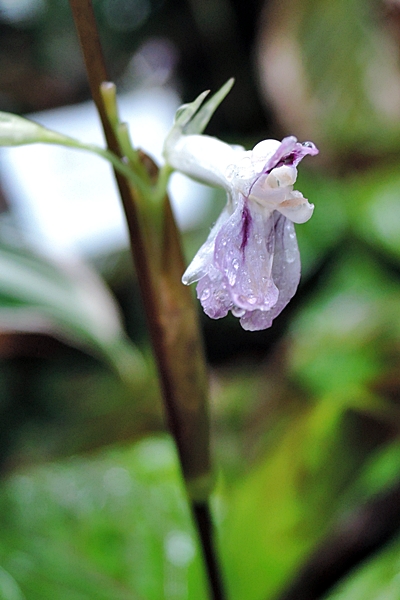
x=230, y=172
x=237, y=311
x=290, y=256
x=205, y=294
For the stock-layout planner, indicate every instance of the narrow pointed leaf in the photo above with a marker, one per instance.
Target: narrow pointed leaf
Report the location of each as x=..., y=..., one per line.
x=203, y=116
x=16, y=131
x=65, y=300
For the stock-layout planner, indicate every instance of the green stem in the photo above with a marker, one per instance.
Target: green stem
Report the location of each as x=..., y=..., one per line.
x=160, y=188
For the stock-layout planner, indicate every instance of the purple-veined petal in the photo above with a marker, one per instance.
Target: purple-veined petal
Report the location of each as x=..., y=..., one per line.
x=212, y=291
x=285, y=274
x=290, y=152
x=285, y=149
x=205, y=255
x=244, y=250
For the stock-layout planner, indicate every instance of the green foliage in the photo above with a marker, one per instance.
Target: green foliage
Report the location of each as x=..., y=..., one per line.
x=378, y=578
x=112, y=527
x=352, y=95
x=67, y=301
x=303, y=437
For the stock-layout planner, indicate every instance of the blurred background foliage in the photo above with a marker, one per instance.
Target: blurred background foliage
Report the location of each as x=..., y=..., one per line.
x=305, y=416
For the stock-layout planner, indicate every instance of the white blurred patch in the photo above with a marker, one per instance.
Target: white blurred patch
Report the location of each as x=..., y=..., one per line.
x=17, y=11
x=66, y=200
x=179, y=548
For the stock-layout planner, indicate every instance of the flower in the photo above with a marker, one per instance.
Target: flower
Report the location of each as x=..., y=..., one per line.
x=250, y=263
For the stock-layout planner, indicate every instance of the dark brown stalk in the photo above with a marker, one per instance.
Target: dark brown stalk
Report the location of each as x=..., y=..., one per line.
x=171, y=313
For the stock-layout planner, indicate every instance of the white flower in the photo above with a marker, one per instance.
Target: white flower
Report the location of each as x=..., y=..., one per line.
x=250, y=262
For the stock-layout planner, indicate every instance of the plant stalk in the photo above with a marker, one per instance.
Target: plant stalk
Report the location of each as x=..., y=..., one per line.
x=170, y=310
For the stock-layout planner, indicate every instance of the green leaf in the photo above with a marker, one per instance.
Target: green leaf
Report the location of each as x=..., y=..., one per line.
x=376, y=579
x=276, y=515
x=9, y=589
x=65, y=300
x=335, y=78
x=16, y=131
x=375, y=210
x=114, y=526
x=350, y=319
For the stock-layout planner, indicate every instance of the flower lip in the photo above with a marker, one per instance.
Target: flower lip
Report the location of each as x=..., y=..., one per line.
x=268, y=157
x=289, y=153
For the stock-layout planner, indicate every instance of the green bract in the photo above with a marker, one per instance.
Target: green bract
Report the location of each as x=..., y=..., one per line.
x=16, y=131
x=191, y=119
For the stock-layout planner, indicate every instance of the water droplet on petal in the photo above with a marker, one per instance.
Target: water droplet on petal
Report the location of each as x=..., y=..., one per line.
x=237, y=311
x=205, y=294
x=290, y=256
x=230, y=172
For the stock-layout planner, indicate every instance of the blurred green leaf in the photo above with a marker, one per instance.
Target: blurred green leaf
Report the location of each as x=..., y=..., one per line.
x=350, y=62
x=110, y=527
x=341, y=338
x=15, y=131
x=323, y=232
x=375, y=208
x=275, y=516
x=377, y=579
x=318, y=458
x=331, y=70
x=9, y=589
x=380, y=472
x=66, y=300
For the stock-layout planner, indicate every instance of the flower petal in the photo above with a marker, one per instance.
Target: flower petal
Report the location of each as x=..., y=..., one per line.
x=205, y=255
x=296, y=208
x=290, y=152
x=212, y=291
x=204, y=158
x=244, y=250
x=285, y=274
